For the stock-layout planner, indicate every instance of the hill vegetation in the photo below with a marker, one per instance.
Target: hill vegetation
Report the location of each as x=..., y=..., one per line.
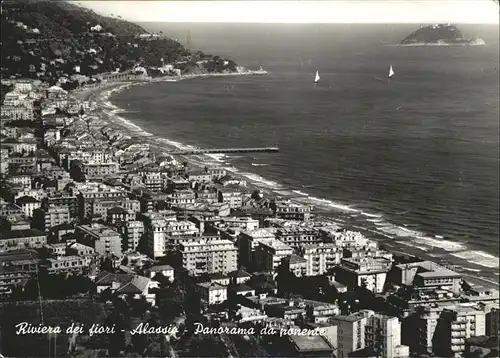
x=438, y=34
x=51, y=39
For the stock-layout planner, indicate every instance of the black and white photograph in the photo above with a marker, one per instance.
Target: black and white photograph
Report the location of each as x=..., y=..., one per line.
x=249, y=178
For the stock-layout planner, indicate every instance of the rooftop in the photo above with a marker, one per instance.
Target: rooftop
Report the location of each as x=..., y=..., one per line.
x=26, y=200
x=310, y=343
x=276, y=244
x=212, y=286
x=259, y=233
x=161, y=268
x=16, y=234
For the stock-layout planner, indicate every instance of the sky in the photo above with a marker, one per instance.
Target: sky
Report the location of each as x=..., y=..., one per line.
x=306, y=11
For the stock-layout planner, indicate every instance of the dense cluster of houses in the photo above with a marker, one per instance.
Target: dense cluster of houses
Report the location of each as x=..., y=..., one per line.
x=80, y=191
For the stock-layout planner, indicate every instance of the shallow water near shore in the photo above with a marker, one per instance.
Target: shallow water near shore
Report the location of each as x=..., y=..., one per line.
x=416, y=159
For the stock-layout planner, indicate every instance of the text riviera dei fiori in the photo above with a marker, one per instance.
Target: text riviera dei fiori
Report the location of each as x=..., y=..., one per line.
x=24, y=328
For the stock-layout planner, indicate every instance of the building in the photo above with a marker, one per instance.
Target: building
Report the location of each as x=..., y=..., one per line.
x=212, y=292
x=155, y=230
x=248, y=242
x=216, y=256
x=17, y=113
x=102, y=239
x=203, y=210
x=350, y=332
x=298, y=236
x=296, y=264
x=62, y=199
x=482, y=346
x=239, y=276
x=181, y=228
x=26, y=145
x=309, y=346
x=28, y=204
x=16, y=267
x=68, y=264
x=426, y=274
x=242, y=223
x=132, y=232
x=492, y=321
x=153, y=181
x=370, y=273
x=74, y=248
x=454, y=326
x=269, y=255
x=91, y=171
x=165, y=270
x=90, y=193
x=320, y=257
x=231, y=196
x=121, y=214
x=181, y=198
x=22, y=239
x=52, y=216
x=127, y=285
x=383, y=334
x=289, y=210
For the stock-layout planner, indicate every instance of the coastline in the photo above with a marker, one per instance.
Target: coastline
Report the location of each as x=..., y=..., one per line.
x=432, y=44
x=396, y=239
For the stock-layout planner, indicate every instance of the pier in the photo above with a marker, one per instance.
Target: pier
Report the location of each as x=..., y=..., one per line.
x=225, y=151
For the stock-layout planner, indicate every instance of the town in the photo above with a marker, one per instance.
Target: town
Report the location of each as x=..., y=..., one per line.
x=91, y=216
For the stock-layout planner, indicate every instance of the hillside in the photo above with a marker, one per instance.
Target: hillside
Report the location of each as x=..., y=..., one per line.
x=439, y=34
x=49, y=39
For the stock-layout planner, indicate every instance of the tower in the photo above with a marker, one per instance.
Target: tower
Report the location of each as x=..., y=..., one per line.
x=188, y=40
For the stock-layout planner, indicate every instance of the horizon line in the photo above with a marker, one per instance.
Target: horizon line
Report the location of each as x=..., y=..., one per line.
x=315, y=23
x=307, y=11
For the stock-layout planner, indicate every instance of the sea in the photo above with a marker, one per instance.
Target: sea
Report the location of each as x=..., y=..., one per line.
x=414, y=158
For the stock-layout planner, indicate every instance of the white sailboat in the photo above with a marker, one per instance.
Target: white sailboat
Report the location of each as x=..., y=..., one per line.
x=391, y=72
x=316, y=79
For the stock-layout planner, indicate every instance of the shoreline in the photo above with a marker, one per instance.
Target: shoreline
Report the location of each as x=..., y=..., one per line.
x=396, y=239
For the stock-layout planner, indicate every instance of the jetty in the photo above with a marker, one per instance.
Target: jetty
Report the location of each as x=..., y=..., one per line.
x=225, y=151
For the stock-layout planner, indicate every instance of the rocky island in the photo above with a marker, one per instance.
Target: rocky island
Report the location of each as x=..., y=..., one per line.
x=439, y=35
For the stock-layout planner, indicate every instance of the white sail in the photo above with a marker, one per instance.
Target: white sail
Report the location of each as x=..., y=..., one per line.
x=316, y=79
x=391, y=72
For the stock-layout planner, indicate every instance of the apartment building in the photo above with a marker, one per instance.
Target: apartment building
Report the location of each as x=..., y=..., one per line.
x=119, y=214
x=68, y=264
x=370, y=273
x=321, y=257
x=288, y=210
x=426, y=275
x=383, y=335
x=82, y=171
x=90, y=193
x=155, y=230
x=62, y=199
x=298, y=236
x=102, y=239
x=181, y=228
x=22, y=239
x=248, y=241
x=215, y=256
x=231, y=196
x=28, y=204
x=296, y=264
x=52, y=216
x=454, y=326
x=270, y=254
x=212, y=292
x=132, y=232
x=350, y=332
